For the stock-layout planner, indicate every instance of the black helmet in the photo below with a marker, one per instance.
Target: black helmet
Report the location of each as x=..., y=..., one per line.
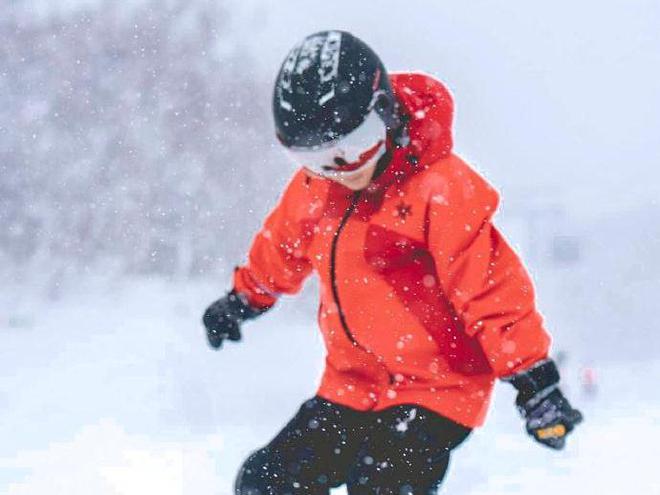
x=327, y=86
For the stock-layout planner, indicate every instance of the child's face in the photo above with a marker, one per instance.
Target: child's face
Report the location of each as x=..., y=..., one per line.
x=350, y=160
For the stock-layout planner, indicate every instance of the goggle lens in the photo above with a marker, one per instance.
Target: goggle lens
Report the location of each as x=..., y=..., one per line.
x=348, y=154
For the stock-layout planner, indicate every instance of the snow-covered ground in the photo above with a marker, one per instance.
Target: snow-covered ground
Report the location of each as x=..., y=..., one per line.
x=114, y=391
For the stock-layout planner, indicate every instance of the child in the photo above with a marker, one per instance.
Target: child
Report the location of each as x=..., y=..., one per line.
x=423, y=303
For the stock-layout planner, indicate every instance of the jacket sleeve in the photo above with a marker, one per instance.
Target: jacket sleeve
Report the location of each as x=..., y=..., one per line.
x=481, y=275
x=277, y=260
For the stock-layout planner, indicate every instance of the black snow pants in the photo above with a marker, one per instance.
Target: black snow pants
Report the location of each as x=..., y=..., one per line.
x=402, y=450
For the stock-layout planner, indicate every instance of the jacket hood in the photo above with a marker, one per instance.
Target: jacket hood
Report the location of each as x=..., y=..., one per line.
x=428, y=107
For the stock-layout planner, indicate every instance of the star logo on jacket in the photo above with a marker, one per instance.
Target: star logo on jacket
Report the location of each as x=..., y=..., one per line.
x=403, y=211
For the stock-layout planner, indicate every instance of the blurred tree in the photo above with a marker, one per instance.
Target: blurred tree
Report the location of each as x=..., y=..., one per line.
x=127, y=139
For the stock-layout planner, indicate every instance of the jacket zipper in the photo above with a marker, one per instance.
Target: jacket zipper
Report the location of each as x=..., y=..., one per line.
x=333, y=276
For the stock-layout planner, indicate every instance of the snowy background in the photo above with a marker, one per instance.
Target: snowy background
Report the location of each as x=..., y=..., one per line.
x=137, y=159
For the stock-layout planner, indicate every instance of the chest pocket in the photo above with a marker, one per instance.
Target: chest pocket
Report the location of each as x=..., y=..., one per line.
x=395, y=236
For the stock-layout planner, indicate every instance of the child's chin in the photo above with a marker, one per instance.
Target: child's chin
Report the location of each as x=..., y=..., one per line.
x=356, y=184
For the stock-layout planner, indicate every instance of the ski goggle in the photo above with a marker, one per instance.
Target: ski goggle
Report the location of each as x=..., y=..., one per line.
x=348, y=154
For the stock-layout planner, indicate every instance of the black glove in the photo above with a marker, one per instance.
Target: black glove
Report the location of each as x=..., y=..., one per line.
x=548, y=414
x=223, y=318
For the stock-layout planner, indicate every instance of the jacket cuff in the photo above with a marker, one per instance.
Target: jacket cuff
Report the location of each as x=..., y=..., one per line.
x=255, y=294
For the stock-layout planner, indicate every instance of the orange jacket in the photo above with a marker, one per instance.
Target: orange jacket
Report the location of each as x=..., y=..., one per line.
x=422, y=300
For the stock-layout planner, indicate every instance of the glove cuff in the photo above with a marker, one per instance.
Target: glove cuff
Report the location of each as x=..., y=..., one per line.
x=534, y=384
x=239, y=308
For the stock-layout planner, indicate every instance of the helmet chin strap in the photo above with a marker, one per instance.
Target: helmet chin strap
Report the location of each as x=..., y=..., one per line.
x=389, y=110
x=397, y=134
x=383, y=162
